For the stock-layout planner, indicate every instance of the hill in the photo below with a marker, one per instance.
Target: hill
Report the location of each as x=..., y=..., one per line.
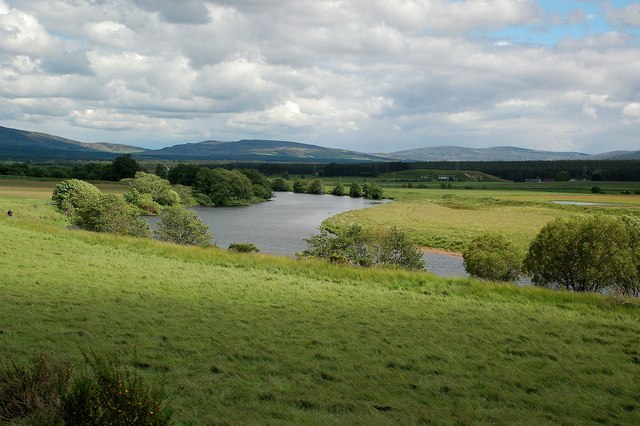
x=498, y=153
x=617, y=155
x=259, y=150
x=253, y=339
x=25, y=145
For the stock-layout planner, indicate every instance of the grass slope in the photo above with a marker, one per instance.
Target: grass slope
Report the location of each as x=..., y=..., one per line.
x=259, y=339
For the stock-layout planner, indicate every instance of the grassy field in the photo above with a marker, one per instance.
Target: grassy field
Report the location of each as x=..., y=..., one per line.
x=239, y=339
x=449, y=219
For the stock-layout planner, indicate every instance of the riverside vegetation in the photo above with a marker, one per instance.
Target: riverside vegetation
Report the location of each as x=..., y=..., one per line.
x=252, y=338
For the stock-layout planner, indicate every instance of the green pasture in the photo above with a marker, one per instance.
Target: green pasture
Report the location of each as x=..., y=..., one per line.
x=255, y=339
x=449, y=219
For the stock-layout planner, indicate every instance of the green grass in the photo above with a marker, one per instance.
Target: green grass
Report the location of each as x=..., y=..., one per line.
x=251, y=338
x=449, y=219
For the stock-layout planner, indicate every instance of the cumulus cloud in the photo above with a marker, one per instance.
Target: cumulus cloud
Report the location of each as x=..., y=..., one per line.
x=374, y=75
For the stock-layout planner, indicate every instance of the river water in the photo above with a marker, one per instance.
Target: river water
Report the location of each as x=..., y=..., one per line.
x=279, y=226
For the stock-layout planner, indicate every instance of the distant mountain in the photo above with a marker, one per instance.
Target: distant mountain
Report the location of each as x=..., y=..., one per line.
x=617, y=155
x=24, y=145
x=259, y=150
x=498, y=153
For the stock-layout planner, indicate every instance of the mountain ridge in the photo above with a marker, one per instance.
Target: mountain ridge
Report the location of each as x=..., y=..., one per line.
x=23, y=145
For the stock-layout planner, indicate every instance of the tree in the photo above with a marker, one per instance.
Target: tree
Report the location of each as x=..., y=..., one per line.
x=300, y=186
x=124, y=166
x=159, y=189
x=586, y=253
x=259, y=184
x=162, y=170
x=355, y=191
x=365, y=189
x=375, y=192
x=316, y=187
x=355, y=245
x=563, y=176
x=279, y=185
x=181, y=226
x=338, y=189
x=493, y=257
x=110, y=213
x=224, y=187
x=71, y=194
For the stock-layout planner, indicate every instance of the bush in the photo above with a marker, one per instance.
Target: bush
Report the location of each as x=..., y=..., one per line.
x=110, y=213
x=493, y=257
x=279, y=185
x=47, y=392
x=259, y=184
x=338, y=189
x=355, y=191
x=73, y=194
x=300, y=186
x=596, y=190
x=358, y=246
x=159, y=189
x=181, y=226
x=316, y=187
x=185, y=194
x=375, y=192
x=224, y=187
x=244, y=247
x=589, y=253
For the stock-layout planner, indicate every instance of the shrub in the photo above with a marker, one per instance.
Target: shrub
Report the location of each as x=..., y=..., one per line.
x=358, y=246
x=260, y=185
x=185, y=194
x=355, y=191
x=596, y=190
x=493, y=257
x=159, y=189
x=181, y=226
x=375, y=192
x=244, y=247
x=224, y=187
x=316, y=187
x=72, y=194
x=280, y=185
x=48, y=392
x=338, y=189
x=300, y=186
x=589, y=253
x=110, y=213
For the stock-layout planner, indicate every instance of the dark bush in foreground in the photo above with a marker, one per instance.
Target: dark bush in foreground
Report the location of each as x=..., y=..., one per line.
x=355, y=190
x=591, y=253
x=338, y=189
x=279, y=185
x=244, y=247
x=46, y=392
x=358, y=246
x=493, y=257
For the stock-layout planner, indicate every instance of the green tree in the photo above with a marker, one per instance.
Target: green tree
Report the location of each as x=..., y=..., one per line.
x=124, y=166
x=224, y=187
x=589, y=253
x=162, y=170
x=355, y=245
x=111, y=213
x=493, y=257
x=316, y=187
x=366, y=187
x=280, y=185
x=259, y=184
x=71, y=194
x=300, y=186
x=338, y=189
x=181, y=226
x=159, y=189
x=375, y=192
x=563, y=176
x=355, y=191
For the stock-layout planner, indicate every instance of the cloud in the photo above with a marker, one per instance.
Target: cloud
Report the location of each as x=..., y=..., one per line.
x=372, y=75
x=628, y=16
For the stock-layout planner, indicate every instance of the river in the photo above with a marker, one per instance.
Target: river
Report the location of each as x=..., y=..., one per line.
x=279, y=226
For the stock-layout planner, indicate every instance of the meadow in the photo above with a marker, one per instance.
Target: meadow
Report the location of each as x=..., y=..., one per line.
x=249, y=338
x=449, y=219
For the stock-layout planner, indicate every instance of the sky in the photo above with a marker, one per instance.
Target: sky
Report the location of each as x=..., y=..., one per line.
x=366, y=75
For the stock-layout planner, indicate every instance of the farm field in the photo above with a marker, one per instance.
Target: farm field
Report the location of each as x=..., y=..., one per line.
x=448, y=218
x=260, y=339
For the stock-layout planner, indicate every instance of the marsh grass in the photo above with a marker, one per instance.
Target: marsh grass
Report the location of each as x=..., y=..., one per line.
x=253, y=338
